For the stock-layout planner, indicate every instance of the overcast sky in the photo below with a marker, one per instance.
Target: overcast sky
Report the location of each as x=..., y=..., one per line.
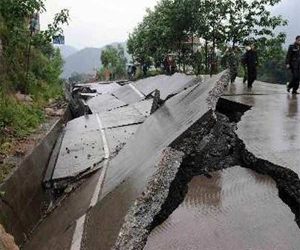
x=95, y=23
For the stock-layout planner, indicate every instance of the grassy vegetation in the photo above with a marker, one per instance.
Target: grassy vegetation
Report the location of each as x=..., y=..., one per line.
x=21, y=118
x=30, y=69
x=5, y=171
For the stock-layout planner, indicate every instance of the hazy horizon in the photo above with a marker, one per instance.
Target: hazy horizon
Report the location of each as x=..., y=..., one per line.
x=97, y=23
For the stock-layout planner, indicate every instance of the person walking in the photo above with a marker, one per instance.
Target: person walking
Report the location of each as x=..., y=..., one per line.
x=167, y=65
x=244, y=64
x=173, y=65
x=212, y=61
x=251, y=61
x=293, y=63
x=233, y=63
x=145, y=69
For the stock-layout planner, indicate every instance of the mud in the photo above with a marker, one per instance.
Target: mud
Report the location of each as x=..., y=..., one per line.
x=17, y=150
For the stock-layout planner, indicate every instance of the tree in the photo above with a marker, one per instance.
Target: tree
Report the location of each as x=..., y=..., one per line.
x=172, y=25
x=21, y=41
x=114, y=60
x=250, y=20
x=272, y=61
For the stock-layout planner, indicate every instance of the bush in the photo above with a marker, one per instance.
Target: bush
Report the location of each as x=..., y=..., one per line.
x=19, y=117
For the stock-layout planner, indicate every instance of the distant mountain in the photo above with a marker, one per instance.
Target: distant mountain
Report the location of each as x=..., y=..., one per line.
x=86, y=61
x=66, y=50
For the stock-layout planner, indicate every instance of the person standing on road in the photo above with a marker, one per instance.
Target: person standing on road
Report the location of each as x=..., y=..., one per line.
x=212, y=61
x=233, y=63
x=251, y=61
x=293, y=63
x=243, y=62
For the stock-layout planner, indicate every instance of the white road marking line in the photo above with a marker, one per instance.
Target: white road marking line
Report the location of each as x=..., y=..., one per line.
x=136, y=90
x=78, y=233
x=102, y=130
x=99, y=184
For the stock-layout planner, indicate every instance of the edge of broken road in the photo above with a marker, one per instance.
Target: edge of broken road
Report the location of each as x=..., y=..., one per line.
x=24, y=187
x=155, y=203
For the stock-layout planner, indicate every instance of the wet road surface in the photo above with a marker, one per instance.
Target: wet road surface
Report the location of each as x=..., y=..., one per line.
x=271, y=129
x=56, y=231
x=236, y=209
x=129, y=172
x=237, y=199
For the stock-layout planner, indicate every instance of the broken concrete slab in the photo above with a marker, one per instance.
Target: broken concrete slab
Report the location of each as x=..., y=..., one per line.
x=104, y=102
x=83, y=145
x=130, y=171
x=192, y=80
x=101, y=87
x=118, y=200
x=204, y=151
x=148, y=85
x=121, y=117
x=167, y=85
x=119, y=136
x=220, y=149
x=128, y=94
x=144, y=107
x=140, y=216
x=81, y=149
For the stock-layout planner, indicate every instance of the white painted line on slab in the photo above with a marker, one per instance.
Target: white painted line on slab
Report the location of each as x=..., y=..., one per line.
x=78, y=233
x=136, y=90
x=102, y=130
x=79, y=230
x=99, y=185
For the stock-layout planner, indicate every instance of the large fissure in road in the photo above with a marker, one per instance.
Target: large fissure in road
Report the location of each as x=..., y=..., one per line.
x=201, y=153
x=184, y=176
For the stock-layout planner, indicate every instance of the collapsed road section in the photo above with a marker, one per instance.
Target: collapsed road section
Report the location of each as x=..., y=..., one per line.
x=174, y=170
x=115, y=115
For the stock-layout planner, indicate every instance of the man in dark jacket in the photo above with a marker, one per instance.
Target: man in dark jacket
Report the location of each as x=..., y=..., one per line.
x=212, y=61
x=293, y=63
x=251, y=61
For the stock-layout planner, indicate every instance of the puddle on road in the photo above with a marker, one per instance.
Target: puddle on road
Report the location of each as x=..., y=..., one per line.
x=236, y=209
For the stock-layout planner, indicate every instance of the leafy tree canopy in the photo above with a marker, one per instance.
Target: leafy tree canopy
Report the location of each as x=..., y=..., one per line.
x=22, y=42
x=113, y=59
x=171, y=25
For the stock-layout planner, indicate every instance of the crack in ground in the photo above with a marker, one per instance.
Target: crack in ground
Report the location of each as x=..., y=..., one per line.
x=202, y=153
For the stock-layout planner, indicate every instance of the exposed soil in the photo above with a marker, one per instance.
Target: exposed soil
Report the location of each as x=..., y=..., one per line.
x=6, y=240
x=15, y=149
